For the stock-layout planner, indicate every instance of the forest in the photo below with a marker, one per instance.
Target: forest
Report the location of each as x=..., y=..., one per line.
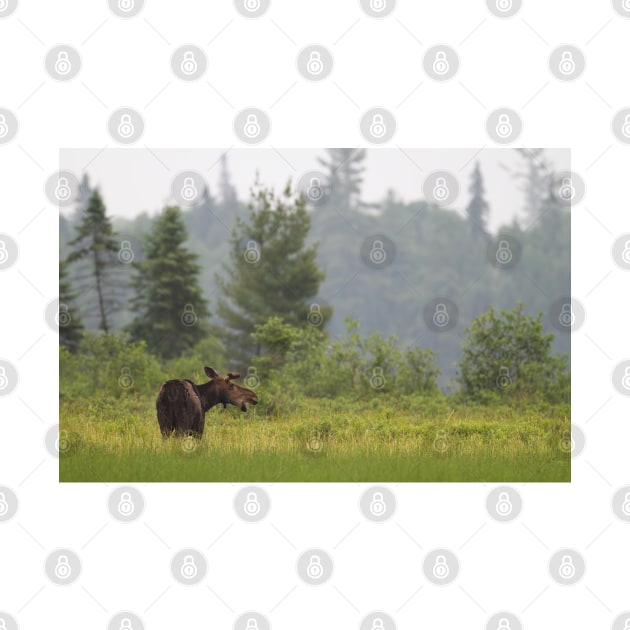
x=311, y=293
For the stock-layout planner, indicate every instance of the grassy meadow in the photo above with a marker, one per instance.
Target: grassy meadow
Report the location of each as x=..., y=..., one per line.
x=383, y=439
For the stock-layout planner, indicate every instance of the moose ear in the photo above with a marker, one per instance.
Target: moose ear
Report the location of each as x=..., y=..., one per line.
x=211, y=372
x=233, y=375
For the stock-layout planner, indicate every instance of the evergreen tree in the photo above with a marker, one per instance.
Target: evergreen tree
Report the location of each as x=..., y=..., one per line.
x=170, y=310
x=477, y=209
x=271, y=272
x=536, y=179
x=96, y=249
x=345, y=169
x=229, y=198
x=70, y=325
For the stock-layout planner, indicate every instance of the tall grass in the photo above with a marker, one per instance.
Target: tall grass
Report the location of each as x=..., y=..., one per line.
x=377, y=439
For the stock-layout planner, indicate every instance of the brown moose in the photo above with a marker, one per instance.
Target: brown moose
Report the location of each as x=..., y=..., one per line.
x=181, y=405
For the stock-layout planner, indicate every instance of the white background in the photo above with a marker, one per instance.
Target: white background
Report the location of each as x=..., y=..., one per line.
x=377, y=63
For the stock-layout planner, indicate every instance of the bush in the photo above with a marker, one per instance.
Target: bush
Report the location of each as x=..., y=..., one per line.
x=108, y=365
x=507, y=355
x=303, y=361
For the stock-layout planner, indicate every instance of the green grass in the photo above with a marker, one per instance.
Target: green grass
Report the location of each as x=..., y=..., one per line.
x=385, y=440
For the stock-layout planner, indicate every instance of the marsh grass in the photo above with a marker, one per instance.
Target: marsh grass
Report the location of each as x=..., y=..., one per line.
x=386, y=440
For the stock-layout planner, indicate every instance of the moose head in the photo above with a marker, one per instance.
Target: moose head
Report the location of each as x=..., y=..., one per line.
x=222, y=390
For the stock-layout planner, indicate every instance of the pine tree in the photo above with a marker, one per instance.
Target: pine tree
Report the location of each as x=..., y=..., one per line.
x=96, y=249
x=477, y=209
x=345, y=178
x=170, y=310
x=271, y=272
x=70, y=325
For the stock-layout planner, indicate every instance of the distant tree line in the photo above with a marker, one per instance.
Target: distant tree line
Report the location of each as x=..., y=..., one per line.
x=224, y=269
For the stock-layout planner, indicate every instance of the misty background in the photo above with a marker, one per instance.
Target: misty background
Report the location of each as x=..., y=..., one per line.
x=437, y=251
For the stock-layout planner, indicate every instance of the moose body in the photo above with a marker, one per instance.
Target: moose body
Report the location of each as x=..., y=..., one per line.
x=181, y=405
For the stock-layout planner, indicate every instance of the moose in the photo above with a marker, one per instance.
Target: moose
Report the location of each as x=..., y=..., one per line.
x=181, y=405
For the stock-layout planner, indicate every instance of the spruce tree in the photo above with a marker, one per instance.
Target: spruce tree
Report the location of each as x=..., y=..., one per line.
x=345, y=168
x=169, y=306
x=70, y=325
x=477, y=209
x=95, y=249
x=270, y=272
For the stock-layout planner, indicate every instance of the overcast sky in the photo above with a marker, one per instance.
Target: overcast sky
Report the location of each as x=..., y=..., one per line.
x=137, y=180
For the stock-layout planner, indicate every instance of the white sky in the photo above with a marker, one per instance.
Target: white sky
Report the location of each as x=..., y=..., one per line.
x=136, y=180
